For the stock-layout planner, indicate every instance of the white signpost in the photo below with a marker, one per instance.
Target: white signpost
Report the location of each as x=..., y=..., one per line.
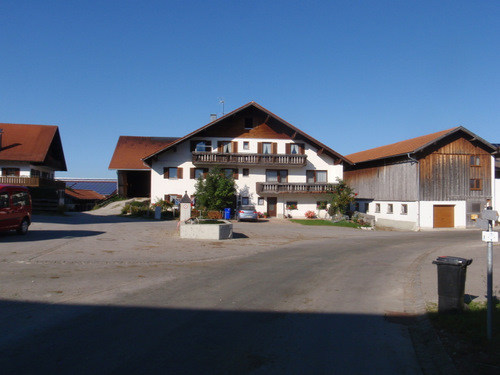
x=489, y=216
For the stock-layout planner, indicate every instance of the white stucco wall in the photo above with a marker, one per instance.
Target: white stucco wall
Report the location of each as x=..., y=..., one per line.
x=427, y=213
x=246, y=185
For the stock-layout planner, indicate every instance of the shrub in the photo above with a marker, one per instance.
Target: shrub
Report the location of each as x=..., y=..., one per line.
x=310, y=214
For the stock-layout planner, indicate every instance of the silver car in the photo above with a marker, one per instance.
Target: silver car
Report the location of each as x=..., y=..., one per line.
x=246, y=213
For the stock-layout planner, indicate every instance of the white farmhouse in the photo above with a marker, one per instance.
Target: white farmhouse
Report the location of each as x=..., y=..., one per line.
x=276, y=167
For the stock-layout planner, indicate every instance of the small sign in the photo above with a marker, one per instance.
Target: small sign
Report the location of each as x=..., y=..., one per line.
x=483, y=224
x=489, y=215
x=490, y=236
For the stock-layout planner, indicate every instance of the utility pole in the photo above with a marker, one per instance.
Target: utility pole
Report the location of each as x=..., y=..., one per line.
x=489, y=236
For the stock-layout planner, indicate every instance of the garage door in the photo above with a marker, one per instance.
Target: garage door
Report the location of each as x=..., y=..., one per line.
x=444, y=216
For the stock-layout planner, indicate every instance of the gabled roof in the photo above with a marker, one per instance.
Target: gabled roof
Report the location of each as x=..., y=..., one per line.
x=130, y=151
x=36, y=144
x=295, y=130
x=411, y=146
x=84, y=194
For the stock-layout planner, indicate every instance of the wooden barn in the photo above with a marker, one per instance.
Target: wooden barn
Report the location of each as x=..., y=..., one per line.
x=439, y=180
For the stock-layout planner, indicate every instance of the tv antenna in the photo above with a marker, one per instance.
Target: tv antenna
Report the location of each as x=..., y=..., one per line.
x=221, y=101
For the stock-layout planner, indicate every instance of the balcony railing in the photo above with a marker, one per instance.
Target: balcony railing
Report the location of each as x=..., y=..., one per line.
x=292, y=188
x=200, y=158
x=32, y=182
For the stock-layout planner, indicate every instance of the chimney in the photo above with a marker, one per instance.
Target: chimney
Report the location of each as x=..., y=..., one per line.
x=213, y=117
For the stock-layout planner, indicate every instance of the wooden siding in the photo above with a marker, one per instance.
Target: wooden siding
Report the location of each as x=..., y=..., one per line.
x=396, y=182
x=446, y=173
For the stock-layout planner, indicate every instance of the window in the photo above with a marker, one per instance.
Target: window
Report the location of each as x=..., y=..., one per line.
x=20, y=198
x=246, y=172
x=321, y=205
x=276, y=175
x=226, y=147
x=201, y=146
x=294, y=148
x=172, y=173
x=266, y=147
x=245, y=201
x=11, y=172
x=390, y=208
x=4, y=200
x=246, y=145
x=475, y=161
x=260, y=201
x=404, y=209
x=315, y=176
x=291, y=205
x=35, y=173
x=231, y=173
x=248, y=123
x=377, y=207
x=196, y=173
x=475, y=184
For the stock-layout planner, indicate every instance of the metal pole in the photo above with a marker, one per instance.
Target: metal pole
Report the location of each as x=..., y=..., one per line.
x=489, y=313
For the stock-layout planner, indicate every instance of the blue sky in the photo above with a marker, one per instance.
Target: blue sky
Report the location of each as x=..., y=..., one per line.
x=352, y=74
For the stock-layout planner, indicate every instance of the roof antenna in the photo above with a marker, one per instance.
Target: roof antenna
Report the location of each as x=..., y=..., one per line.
x=221, y=101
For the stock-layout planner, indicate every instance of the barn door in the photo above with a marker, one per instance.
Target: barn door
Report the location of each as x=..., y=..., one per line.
x=444, y=216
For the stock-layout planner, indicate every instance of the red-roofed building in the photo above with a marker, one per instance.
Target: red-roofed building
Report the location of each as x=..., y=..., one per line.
x=276, y=166
x=81, y=200
x=439, y=180
x=134, y=177
x=29, y=156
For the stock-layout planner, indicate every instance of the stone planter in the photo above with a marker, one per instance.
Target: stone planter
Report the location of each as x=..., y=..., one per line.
x=222, y=231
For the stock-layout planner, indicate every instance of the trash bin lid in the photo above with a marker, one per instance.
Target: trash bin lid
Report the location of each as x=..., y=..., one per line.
x=452, y=261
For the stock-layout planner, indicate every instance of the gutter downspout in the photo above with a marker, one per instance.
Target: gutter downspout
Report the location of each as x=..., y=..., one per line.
x=413, y=160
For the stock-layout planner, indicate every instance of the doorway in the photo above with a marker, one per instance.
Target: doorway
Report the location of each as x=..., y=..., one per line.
x=444, y=216
x=272, y=203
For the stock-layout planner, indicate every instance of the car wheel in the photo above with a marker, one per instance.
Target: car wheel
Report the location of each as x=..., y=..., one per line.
x=23, y=228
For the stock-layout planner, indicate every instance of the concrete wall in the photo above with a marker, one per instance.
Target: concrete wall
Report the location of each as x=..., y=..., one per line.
x=207, y=231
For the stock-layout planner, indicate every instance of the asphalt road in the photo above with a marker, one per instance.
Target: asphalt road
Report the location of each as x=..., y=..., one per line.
x=104, y=295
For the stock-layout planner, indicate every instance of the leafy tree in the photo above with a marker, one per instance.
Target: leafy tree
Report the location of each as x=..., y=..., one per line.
x=216, y=192
x=341, y=195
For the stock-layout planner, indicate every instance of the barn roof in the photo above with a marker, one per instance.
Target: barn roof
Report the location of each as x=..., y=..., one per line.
x=411, y=146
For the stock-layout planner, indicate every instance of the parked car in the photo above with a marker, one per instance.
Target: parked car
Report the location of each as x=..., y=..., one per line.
x=246, y=213
x=15, y=208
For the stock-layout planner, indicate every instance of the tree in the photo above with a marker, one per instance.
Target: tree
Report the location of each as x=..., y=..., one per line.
x=341, y=196
x=216, y=191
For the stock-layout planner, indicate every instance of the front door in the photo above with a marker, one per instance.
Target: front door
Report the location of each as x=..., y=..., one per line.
x=271, y=206
x=444, y=216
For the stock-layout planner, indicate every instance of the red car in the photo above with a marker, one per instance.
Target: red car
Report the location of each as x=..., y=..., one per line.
x=15, y=208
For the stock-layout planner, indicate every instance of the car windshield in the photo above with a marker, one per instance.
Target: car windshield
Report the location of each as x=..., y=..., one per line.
x=247, y=208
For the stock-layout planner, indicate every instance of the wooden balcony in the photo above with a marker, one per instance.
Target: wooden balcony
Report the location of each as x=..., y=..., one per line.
x=216, y=158
x=32, y=182
x=293, y=188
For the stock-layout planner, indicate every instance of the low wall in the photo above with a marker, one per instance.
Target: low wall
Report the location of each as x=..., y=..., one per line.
x=207, y=231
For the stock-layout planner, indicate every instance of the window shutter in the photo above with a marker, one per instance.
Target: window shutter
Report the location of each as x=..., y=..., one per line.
x=235, y=173
x=288, y=149
x=191, y=173
x=219, y=146
x=259, y=148
x=205, y=172
x=193, y=146
x=274, y=148
x=235, y=147
x=301, y=148
x=165, y=172
x=179, y=173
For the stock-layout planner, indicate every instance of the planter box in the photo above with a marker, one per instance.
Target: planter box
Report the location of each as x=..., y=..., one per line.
x=207, y=231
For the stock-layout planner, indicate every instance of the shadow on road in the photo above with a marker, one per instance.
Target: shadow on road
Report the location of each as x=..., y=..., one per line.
x=45, y=235
x=76, y=339
x=76, y=218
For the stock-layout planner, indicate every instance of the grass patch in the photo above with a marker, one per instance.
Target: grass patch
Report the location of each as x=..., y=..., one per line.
x=465, y=339
x=343, y=223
